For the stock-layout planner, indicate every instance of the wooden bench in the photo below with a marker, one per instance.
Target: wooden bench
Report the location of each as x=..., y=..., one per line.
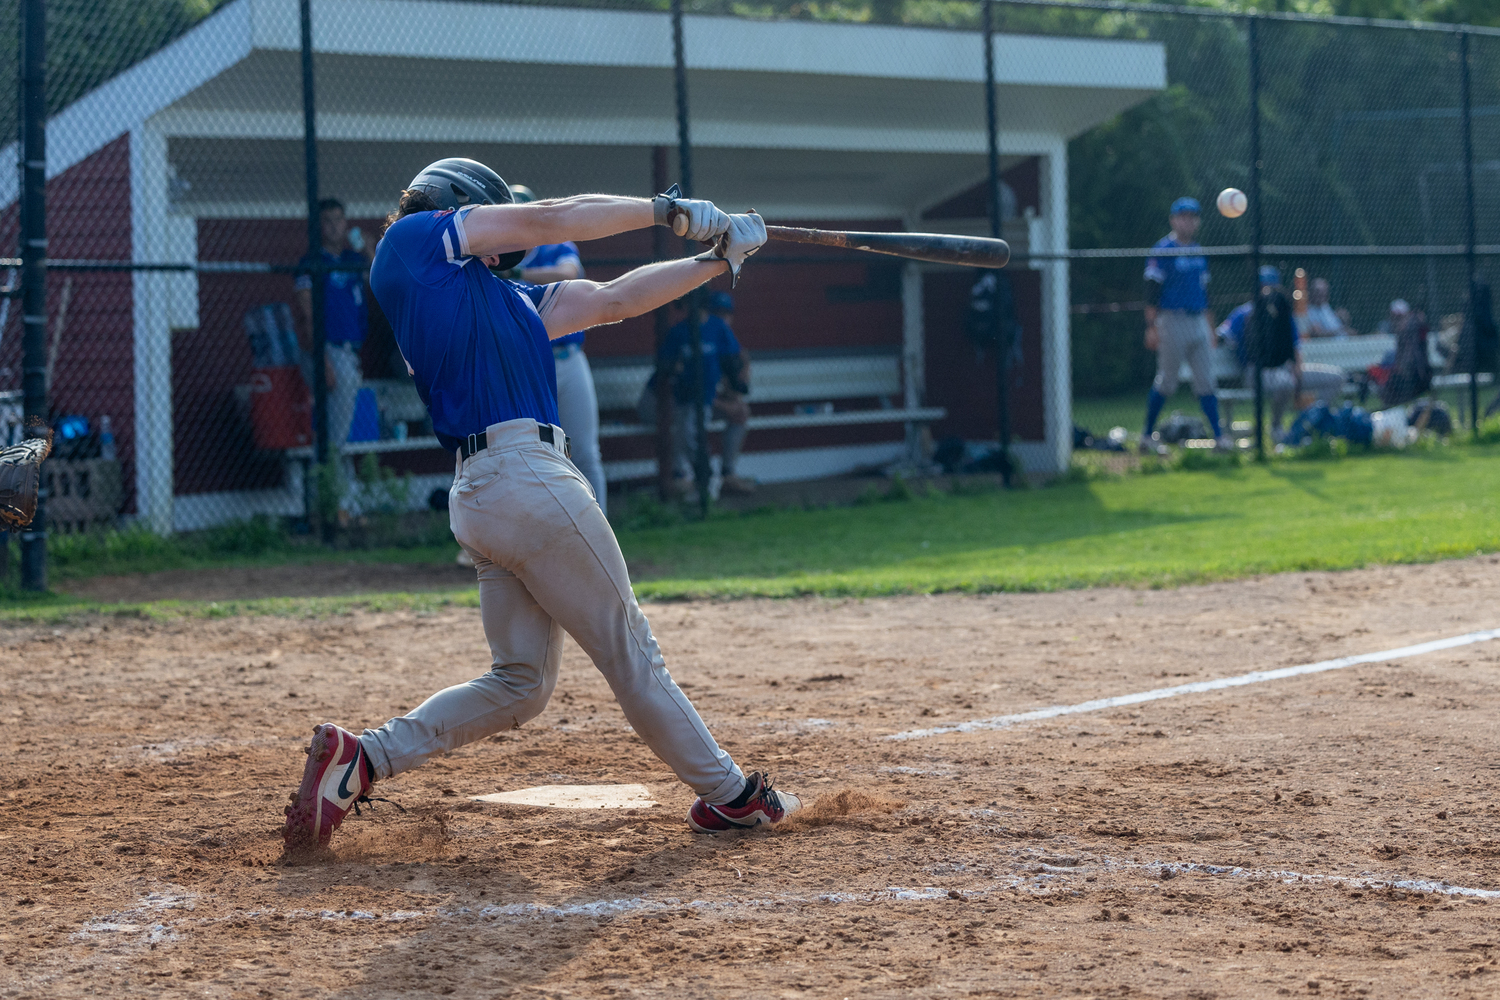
x=819, y=377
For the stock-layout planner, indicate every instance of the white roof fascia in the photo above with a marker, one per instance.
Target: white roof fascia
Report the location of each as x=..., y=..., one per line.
x=124, y=102
x=646, y=131
x=571, y=36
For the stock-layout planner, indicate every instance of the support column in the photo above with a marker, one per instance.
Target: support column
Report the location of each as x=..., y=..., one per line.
x=1057, y=328
x=153, y=335
x=913, y=354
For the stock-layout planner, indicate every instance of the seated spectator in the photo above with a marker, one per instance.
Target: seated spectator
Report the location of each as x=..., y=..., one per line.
x=1408, y=372
x=1321, y=319
x=725, y=385
x=1282, y=385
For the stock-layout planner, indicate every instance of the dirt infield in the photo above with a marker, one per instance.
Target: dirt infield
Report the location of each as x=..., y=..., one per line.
x=1247, y=842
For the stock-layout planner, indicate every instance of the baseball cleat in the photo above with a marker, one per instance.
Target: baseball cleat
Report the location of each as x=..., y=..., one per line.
x=764, y=806
x=334, y=779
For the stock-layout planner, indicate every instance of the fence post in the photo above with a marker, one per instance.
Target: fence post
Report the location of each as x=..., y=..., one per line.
x=1002, y=346
x=701, y=467
x=1467, y=123
x=1255, y=222
x=33, y=226
x=665, y=450
x=317, y=273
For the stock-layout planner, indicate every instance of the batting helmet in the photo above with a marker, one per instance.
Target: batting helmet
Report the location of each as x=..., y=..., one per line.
x=455, y=182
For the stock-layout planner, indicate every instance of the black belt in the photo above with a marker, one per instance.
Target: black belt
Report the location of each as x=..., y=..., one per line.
x=475, y=443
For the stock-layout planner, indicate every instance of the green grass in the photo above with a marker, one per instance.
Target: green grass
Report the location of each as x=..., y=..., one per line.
x=1156, y=531
x=1136, y=530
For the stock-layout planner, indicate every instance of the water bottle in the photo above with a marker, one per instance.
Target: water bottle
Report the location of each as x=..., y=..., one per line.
x=106, y=439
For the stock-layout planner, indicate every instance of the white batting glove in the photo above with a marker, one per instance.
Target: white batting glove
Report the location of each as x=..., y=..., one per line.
x=689, y=217
x=745, y=235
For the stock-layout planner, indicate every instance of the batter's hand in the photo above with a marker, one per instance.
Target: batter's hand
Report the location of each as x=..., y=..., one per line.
x=689, y=217
x=746, y=234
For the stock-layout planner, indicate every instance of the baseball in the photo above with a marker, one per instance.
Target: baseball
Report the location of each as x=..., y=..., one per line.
x=1232, y=203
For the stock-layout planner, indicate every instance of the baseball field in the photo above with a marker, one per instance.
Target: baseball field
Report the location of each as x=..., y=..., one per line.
x=1327, y=831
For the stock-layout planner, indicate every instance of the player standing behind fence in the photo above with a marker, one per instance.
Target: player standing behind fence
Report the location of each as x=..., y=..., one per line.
x=1179, y=325
x=346, y=318
x=478, y=349
x=577, y=403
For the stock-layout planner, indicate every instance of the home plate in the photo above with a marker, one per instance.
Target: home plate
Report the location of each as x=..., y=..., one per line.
x=576, y=797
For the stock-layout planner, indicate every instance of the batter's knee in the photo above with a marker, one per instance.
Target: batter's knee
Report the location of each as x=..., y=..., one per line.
x=524, y=689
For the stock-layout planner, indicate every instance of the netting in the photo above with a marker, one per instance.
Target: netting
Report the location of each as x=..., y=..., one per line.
x=179, y=347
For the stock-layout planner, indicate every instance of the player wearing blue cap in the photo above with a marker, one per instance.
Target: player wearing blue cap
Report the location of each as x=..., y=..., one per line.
x=479, y=350
x=1179, y=324
x=1282, y=383
x=577, y=402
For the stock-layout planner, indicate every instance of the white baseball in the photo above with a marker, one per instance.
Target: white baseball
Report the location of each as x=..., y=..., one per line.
x=1232, y=203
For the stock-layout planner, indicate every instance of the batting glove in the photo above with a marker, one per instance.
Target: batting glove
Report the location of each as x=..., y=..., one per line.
x=689, y=217
x=746, y=234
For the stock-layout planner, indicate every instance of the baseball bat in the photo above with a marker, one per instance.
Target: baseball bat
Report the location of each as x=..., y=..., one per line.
x=969, y=251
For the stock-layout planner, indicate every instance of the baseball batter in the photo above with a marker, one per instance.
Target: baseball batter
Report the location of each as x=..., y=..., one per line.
x=479, y=349
x=1179, y=324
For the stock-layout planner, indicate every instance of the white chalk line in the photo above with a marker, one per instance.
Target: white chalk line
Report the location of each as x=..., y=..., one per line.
x=1199, y=687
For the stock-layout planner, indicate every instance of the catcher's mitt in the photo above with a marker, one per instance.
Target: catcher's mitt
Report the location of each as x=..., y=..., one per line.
x=21, y=477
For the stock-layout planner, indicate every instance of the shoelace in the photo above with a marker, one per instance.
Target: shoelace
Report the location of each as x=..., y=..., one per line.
x=371, y=800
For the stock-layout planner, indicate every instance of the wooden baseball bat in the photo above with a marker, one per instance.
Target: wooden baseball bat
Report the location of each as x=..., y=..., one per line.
x=970, y=251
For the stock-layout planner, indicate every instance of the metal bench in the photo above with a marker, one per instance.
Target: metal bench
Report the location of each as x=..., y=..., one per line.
x=819, y=377
x=779, y=377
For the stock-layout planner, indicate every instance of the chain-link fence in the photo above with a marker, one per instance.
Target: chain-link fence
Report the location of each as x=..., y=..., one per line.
x=217, y=176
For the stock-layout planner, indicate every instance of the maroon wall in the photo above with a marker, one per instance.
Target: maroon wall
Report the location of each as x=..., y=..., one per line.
x=88, y=216
x=961, y=376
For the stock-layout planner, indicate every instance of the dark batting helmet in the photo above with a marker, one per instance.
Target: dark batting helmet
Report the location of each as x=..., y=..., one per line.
x=455, y=182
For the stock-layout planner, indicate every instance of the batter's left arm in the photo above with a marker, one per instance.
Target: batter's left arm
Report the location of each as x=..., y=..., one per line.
x=579, y=305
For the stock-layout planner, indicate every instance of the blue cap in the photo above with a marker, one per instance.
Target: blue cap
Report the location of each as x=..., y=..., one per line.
x=721, y=302
x=1269, y=275
x=1187, y=205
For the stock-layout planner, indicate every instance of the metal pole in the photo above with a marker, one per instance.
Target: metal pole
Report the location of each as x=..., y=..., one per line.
x=1255, y=226
x=1002, y=341
x=315, y=252
x=666, y=454
x=33, y=225
x=1467, y=120
x=701, y=467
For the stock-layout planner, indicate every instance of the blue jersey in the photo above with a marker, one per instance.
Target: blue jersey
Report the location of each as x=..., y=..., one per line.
x=677, y=352
x=475, y=343
x=346, y=318
x=1233, y=330
x=553, y=255
x=1183, y=280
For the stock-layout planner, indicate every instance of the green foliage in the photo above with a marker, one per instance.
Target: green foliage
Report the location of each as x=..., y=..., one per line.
x=644, y=511
x=330, y=486
x=1489, y=430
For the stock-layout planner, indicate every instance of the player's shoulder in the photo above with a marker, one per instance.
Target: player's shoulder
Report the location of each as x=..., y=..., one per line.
x=1167, y=242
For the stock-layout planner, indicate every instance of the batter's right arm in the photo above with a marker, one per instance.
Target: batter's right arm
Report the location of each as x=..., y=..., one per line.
x=499, y=229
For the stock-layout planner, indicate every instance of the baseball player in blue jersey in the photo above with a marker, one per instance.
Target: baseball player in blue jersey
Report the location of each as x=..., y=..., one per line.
x=479, y=350
x=1179, y=325
x=577, y=403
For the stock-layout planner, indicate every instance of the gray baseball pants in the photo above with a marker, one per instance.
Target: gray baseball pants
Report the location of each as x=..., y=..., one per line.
x=685, y=440
x=578, y=412
x=1183, y=336
x=548, y=563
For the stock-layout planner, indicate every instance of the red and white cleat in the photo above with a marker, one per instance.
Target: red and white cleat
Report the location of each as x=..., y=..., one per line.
x=764, y=806
x=334, y=779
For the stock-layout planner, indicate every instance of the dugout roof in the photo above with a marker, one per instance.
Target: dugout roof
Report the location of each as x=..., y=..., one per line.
x=798, y=119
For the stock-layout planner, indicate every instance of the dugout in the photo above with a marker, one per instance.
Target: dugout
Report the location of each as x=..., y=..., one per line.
x=195, y=155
